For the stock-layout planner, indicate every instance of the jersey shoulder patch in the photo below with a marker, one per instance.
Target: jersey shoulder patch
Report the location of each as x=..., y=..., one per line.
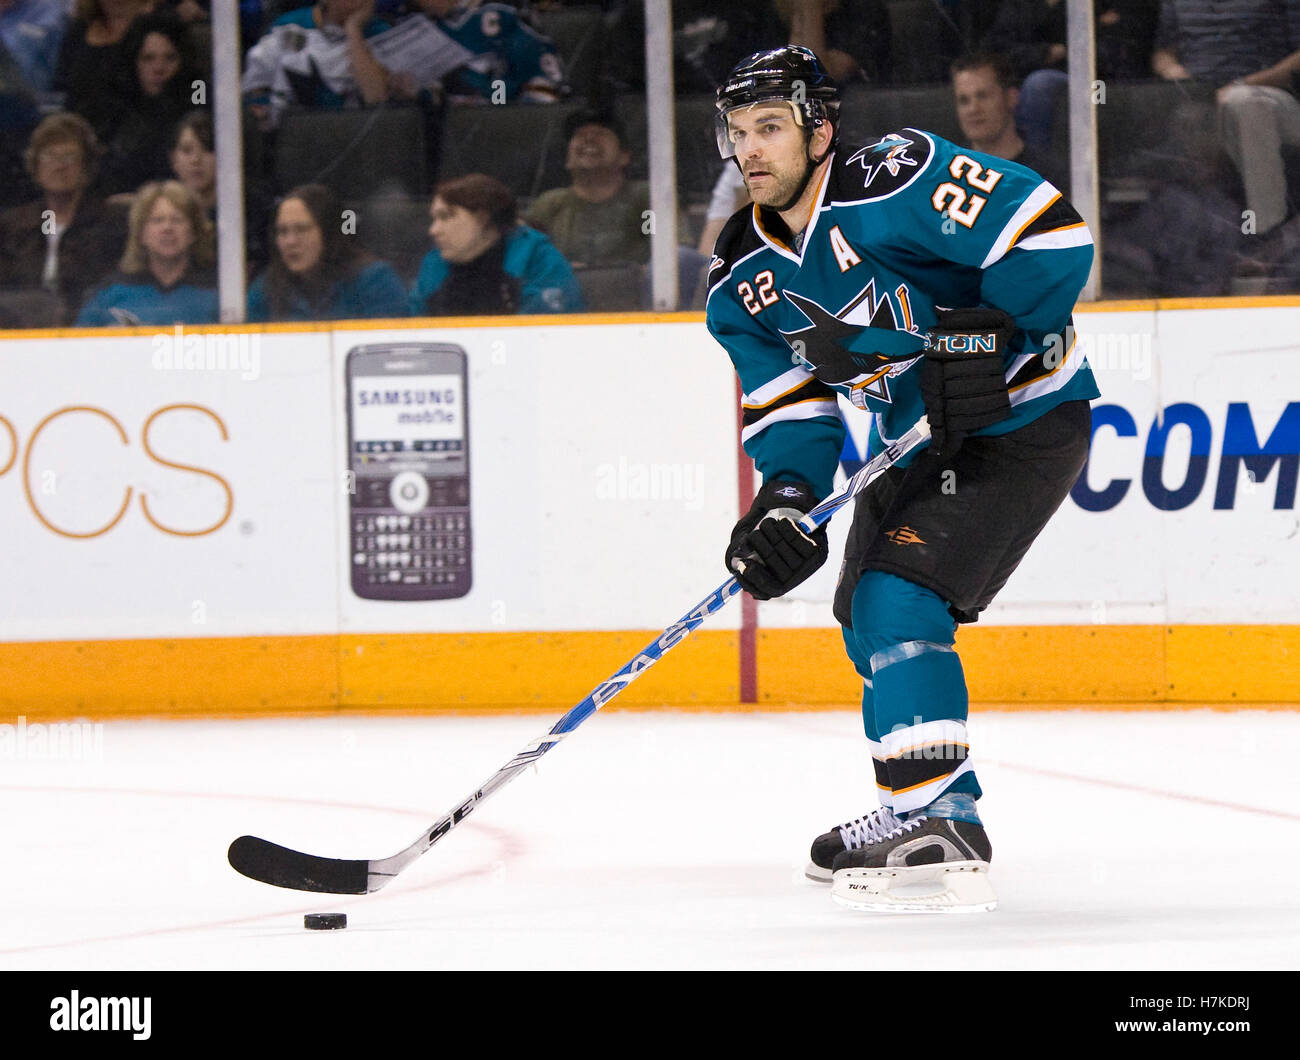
x=882, y=168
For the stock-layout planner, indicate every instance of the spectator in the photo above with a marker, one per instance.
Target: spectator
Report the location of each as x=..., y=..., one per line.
x=31, y=31
x=165, y=276
x=193, y=159
x=92, y=62
x=986, y=105
x=506, y=60
x=601, y=217
x=1250, y=53
x=68, y=239
x=852, y=38
x=484, y=261
x=316, y=57
x=1031, y=33
x=159, y=89
x=319, y=273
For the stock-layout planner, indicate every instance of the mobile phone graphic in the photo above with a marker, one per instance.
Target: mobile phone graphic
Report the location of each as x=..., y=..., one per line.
x=408, y=450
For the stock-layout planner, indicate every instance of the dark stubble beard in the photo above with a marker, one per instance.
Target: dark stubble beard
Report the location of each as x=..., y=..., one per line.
x=779, y=189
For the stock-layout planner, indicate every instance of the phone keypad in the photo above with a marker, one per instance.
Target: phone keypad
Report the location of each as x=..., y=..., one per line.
x=412, y=550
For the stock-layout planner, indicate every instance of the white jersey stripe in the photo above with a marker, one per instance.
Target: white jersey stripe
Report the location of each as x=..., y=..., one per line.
x=1074, y=236
x=1049, y=384
x=800, y=410
x=1035, y=203
x=782, y=384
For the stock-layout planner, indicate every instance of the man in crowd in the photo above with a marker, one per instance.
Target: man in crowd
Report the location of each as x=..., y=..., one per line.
x=603, y=217
x=986, y=97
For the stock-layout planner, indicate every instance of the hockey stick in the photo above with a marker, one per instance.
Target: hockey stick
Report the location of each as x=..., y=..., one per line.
x=279, y=866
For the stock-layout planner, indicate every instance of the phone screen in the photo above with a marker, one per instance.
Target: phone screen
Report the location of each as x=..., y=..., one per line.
x=412, y=419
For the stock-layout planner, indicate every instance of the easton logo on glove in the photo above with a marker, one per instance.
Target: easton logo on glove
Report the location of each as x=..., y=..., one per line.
x=963, y=381
x=947, y=342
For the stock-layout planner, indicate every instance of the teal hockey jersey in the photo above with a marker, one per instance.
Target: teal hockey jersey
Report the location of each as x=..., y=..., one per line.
x=899, y=227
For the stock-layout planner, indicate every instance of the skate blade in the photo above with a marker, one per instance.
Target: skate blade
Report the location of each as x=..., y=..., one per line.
x=816, y=873
x=953, y=887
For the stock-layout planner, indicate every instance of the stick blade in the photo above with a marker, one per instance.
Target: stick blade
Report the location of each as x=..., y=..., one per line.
x=281, y=867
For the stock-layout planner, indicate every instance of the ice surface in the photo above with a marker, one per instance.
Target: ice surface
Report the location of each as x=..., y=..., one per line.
x=1159, y=840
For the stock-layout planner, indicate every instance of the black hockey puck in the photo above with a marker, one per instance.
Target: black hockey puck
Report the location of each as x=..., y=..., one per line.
x=325, y=921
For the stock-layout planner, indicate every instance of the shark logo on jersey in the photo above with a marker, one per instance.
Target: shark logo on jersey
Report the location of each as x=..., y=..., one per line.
x=888, y=154
x=824, y=343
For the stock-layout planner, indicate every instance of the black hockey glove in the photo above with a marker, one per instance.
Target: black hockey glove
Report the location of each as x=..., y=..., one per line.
x=769, y=553
x=963, y=383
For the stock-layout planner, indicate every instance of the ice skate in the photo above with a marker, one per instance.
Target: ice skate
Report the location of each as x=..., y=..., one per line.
x=925, y=865
x=875, y=825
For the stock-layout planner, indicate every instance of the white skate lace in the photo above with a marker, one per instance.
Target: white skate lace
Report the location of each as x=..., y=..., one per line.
x=872, y=828
x=903, y=828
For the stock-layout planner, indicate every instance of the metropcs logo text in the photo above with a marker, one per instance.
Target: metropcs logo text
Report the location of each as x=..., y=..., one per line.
x=77, y=1013
x=78, y=439
x=1240, y=449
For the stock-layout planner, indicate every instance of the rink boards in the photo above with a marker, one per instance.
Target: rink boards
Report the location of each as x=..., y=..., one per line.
x=180, y=512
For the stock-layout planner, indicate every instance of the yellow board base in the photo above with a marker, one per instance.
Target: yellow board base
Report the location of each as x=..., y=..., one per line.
x=1017, y=667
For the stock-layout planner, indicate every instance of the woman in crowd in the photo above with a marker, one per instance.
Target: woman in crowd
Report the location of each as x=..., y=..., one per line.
x=193, y=158
x=65, y=241
x=193, y=161
x=92, y=58
x=485, y=261
x=318, y=271
x=165, y=276
x=157, y=91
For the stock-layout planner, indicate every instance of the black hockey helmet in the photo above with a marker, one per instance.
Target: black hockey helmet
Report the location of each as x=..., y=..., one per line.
x=790, y=74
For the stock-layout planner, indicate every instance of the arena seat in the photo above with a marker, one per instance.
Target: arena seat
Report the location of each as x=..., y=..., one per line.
x=30, y=308
x=577, y=33
x=611, y=288
x=923, y=42
x=869, y=112
x=521, y=144
x=356, y=152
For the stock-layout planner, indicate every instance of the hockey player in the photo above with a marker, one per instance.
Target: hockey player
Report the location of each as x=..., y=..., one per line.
x=914, y=277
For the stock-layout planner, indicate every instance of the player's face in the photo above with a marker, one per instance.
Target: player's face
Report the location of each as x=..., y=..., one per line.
x=770, y=149
x=298, y=237
x=459, y=234
x=984, y=108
